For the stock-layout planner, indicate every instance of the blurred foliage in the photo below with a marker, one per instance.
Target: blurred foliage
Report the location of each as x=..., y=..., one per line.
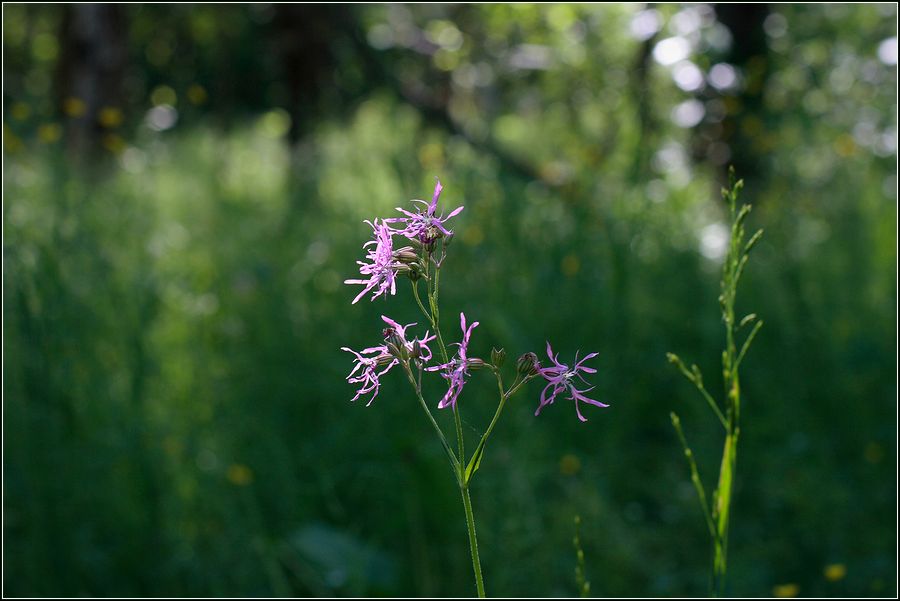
x=175, y=416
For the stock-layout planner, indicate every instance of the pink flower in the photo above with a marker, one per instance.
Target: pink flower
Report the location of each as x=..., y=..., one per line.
x=425, y=227
x=561, y=378
x=457, y=369
x=368, y=361
x=383, y=263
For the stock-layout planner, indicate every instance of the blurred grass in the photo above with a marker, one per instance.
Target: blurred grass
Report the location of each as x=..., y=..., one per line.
x=176, y=420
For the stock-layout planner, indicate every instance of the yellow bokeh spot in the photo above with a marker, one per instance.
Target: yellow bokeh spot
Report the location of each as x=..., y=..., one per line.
x=473, y=236
x=20, y=111
x=431, y=156
x=874, y=452
x=571, y=265
x=49, y=132
x=196, y=94
x=446, y=60
x=752, y=125
x=835, y=571
x=785, y=590
x=74, y=107
x=110, y=116
x=11, y=141
x=163, y=95
x=113, y=143
x=569, y=465
x=172, y=446
x=844, y=145
x=239, y=474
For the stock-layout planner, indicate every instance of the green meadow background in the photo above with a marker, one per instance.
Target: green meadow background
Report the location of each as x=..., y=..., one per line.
x=184, y=194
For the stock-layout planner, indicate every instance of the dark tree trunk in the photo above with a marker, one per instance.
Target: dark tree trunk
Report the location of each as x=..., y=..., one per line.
x=305, y=39
x=93, y=55
x=749, y=52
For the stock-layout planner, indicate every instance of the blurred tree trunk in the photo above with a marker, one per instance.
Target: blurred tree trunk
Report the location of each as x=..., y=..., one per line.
x=306, y=37
x=93, y=54
x=745, y=124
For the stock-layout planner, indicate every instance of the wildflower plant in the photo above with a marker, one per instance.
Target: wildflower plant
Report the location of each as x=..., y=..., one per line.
x=427, y=236
x=718, y=514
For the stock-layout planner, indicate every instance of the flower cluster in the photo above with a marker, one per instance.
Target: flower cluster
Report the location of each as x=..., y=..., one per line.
x=425, y=228
x=386, y=355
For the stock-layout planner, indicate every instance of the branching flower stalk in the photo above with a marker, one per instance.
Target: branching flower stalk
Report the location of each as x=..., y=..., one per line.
x=718, y=513
x=429, y=238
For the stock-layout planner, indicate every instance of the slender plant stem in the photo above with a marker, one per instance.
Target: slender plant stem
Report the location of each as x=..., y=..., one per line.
x=415, y=287
x=433, y=291
x=454, y=462
x=718, y=514
x=473, y=540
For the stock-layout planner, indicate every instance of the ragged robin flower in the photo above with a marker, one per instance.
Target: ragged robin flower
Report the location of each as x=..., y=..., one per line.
x=425, y=226
x=561, y=378
x=368, y=361
x=458, y=368
x=384, y=264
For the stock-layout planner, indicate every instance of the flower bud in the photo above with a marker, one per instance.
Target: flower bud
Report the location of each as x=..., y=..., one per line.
x=498, y=356
x=395, y=344
x=528, y=364
x=398, y=352
x=414, y=271
x=406, y=255
x=429, y=237
x=416, y=351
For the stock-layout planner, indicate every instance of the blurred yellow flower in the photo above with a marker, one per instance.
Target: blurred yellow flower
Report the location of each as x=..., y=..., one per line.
x=569, y=465
x=473, y=235
x=74, y=107
x=571, y=265
x=844, y=145
x=835, y=571
x=163, y=95
x=874, y=452
x=786, y=590
x=20, y=111
x=49, y=132
x=239, y=474
x=110, y=116
x=113, y=143
x=196, y=94
x=11, y=141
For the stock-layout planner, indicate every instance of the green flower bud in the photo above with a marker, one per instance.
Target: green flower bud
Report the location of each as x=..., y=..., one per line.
x=406, y=255
x=528, y=364
x=475, y=363
x=498, y=356
x=414, y=271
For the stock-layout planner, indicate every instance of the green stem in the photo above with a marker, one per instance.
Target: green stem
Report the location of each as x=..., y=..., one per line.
x=473, y=540
x=433, y=290
x=695, y=474
x=415, y=287
x=454, y=462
